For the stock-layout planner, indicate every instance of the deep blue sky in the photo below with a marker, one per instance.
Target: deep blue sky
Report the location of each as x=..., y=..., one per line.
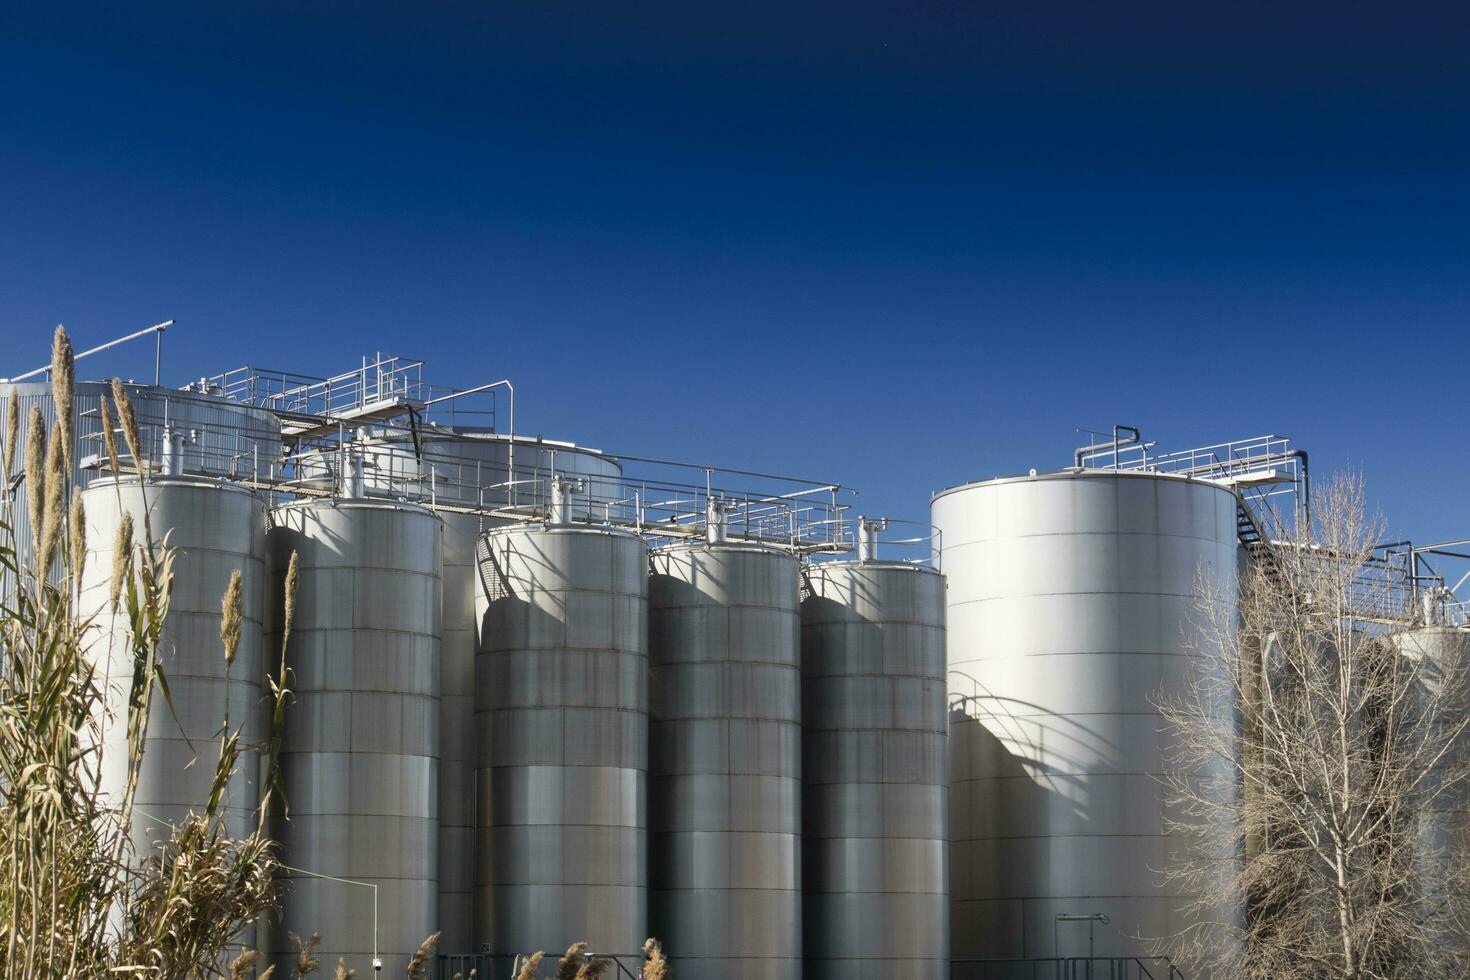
x=897, y=245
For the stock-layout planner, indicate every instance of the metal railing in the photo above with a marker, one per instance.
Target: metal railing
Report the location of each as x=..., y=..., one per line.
x=1271, y=477
x=377, y=380
x=1067, y=968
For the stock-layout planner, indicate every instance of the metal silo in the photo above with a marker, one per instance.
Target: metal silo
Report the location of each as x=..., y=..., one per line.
x=562, y=709
x=1442, y=654
x=725, y=760
x=460, y=468
x=216, y=529
x=875, y=807
x=203, y=434
x=361, y=749
x=1070, y=604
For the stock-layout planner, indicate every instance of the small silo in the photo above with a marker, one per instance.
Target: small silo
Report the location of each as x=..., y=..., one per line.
x=875, y=806
x=725, y=760
x=561, y=706
x=360, y=758
x=1071, y=599
x=215, y=528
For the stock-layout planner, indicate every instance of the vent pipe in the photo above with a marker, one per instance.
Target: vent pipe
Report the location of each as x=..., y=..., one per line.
x=561, y=498
x=716, y=521
x=867, y=542
x=174, y=441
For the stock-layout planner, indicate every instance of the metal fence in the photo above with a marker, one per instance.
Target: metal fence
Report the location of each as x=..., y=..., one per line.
x=1067, y=968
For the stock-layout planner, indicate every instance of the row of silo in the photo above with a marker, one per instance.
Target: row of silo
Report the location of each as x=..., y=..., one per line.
x=626, y=784
x=643, y=722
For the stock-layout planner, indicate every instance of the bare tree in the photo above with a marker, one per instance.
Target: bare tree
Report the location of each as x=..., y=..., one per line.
x=1318, y=756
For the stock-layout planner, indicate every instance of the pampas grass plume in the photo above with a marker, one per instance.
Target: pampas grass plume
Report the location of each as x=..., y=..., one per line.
x=418, y=964
x=35, y=465
x=229, y=624
x=63, y=378
x=531, y=966
x=129, y=423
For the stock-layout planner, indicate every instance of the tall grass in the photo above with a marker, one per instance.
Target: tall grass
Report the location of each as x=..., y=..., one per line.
x=75, y=900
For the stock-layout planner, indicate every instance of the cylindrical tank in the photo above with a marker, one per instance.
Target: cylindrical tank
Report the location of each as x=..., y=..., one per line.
x=1441, y=655
x=1070, y=607
x=875, y=806
x=215, y=529
x=725, y=762
x=222, y=437
x=360, y=758
x=471, y=469
x=562, y=709
x=457, y=736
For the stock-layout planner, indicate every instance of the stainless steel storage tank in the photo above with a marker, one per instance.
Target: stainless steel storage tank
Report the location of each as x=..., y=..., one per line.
x=221, y=437
x=216, y=529
x=467, y=468
x=1070, y=604
x=875, y=806
x=1442, y=654
x=457, y=736
x=360, y=757
x=562, y=708
x=725, y=762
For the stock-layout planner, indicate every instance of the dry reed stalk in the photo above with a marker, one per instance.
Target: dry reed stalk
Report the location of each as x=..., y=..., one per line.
x=418, y=964
x=229, y=624
x=242, y=967
x=293, y=578
x=122, y=553
x=12, y=432
x=593, y=969
x=529, y=968
x=78, y=528
x=657, y=966
x=306, y=963
x=35, y=469
x=109, y=437
x=129, y=423
x=571, y=962
x=63, y=378
x=54, y=507
x=342, y=973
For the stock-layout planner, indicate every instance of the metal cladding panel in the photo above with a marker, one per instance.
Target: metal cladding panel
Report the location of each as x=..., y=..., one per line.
x=1070, y=599
x=360, y=757
x=215, y=529
x=875, y=877
x=561, y=707
x=725, y=790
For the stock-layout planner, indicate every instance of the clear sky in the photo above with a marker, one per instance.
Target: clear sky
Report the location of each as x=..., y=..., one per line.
x=895, y=245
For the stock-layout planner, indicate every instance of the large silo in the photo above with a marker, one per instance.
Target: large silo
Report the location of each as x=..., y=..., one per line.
x=875, y=806
x=562, y=710
x=1441, y=656
x=1070, y=607
x=725, y=762
x=464, y=469
x=361, y=746
x=214, y=436
x=215, y=529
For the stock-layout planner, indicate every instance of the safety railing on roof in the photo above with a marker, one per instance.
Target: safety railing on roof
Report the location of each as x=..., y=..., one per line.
x=519, y=480
x=1271, y=477
x=394, y=384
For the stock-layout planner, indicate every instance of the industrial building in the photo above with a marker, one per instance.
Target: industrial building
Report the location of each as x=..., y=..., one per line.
x=546, y=693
